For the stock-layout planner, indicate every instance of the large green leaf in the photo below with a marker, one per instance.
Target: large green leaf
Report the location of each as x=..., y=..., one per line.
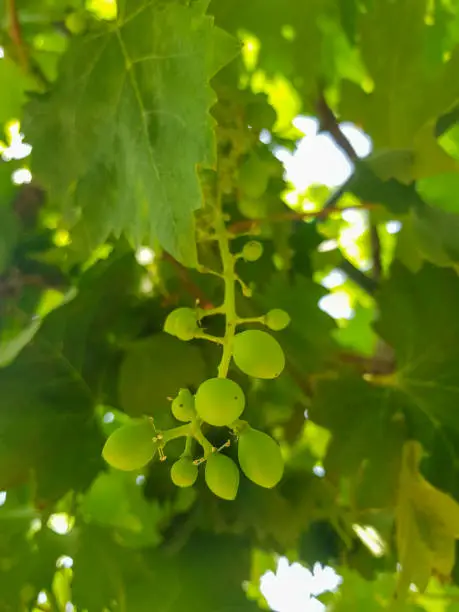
x=153, y=370
x=370, y=419
x=119, y=136
x=301, y=55
x=47, y=422
x=408, y=90
x=414, y=309
x=15, y=84
x=367, y=429
x=427, y=524
x=307, y=340
x=412, y=84
x=205, y=576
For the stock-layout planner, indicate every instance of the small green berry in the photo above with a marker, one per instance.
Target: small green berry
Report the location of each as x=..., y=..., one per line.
x=183, y=406
x=76, y=23
x=277, y=319
x=252, y=250
x=184, y=472
x=182, y=323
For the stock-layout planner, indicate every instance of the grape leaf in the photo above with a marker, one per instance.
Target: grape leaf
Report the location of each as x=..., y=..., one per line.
x=103, y=570
x=440, y=191
x=356, y=593
x=115, y=499
x=47, y=424
x=366, y=185
x=153, y=370
x=427, y=524
x=369, y=420
x=15, y=83
x=357, y=332
x=391, y=114
x=26, y=554
x=119, y=136
x=367, y=428
x=307, y=340
x=414, y=309
x=299, y=55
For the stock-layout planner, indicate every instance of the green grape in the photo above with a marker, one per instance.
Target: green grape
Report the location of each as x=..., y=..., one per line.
x=260, y=458
x=219, y=401
x=182, y=323
x=258, y=354
x=252, y=250
x=277, y=319
x=253, y=209
x=76, y=23
x=183, y=406
x=253, y=177
x=222, y=476
x=184, y=472
x=131, y=446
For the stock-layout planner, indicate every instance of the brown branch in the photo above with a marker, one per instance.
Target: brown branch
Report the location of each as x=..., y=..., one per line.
x=329, y=123
x=16, y=35
x=246, y=225
x=368, y=365
x=376, y=252
x=188, y=284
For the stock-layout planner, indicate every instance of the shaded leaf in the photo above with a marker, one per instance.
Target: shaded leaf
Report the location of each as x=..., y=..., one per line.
x=153, y=370
x=427, y=522
x=307, y=340
x=106, y=137
x=48, y=424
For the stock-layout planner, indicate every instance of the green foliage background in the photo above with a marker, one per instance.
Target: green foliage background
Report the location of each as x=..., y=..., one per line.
x=133, y=112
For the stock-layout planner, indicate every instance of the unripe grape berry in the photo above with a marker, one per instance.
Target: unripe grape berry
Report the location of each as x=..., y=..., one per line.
x=76, y=23
x=253, y=177
x=252, y=250
x=260, y=458
x=222, y=476
x=184, y=472
x=258, y=354
x=182, y=323
x=183, y=406
x=131, y=446
x=277, y=319
x=219, y=401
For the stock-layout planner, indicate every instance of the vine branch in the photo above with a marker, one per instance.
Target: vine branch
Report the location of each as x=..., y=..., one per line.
x=245, y=225
x=188, y=284
x=16, y=35
x=329, y=123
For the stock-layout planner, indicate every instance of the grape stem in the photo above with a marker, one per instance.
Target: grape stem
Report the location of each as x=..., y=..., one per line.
x=195, y=428
x=190, y=431
x=203, y=336
x=242, y=321
x=229, y=303
x=188, y=452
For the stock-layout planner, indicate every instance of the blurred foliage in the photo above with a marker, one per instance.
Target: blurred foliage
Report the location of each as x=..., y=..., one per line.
x=132, y=110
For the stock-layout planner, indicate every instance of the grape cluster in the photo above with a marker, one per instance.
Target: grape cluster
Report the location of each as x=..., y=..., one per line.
x=218, y=401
